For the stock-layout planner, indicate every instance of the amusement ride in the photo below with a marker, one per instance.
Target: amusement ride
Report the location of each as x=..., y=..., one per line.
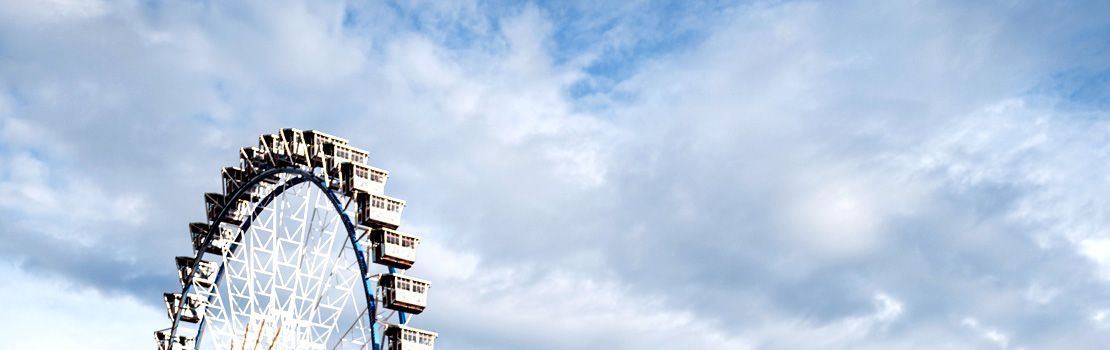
x=300, y=250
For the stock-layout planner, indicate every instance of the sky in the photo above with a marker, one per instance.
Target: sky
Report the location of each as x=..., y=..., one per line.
x=590, y=174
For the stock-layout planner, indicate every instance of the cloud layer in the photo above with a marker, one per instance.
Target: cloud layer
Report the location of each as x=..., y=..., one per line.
x=763, y=175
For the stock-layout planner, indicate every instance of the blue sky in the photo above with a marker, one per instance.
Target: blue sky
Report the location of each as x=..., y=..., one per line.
x=726, y=175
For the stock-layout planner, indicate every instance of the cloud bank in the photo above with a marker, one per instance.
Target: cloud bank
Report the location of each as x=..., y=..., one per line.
x=760, y=175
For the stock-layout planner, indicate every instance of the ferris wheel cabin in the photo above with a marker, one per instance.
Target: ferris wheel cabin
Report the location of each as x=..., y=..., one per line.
x=274, y=148
x=361, y=178
x=295, y=145
x=394, y=248
x=338, y=153
x=400, y=337
x=205, y=276
x=182, y=341
x=194, y=306
x=253, y=161
x=404, y=293
x=377, y=210
x=317, y=141
x=234, y=215
x=221, y=239
x=234, y=178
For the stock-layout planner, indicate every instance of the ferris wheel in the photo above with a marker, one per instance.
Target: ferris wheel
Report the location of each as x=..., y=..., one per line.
x=281, y=264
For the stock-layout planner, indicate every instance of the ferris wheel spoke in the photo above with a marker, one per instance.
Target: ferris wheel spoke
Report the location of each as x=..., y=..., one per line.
x=319, y=262
x=361, y=331
x=331, y=300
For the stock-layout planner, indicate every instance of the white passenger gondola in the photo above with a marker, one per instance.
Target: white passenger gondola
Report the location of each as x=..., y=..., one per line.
x=194, y=306
x=213, y=204
x=183, y=341
x=251, y=158
x=235, y=214
x=316, y=141
x=361, y=178
x=221, y=239
x=404, y=293
x=273, y=148
x=377, y=210
x=394, y=248
x=253, y=161
x=338, y=153
x=400, y=337
x=205, y=276
x=296, y=147
x=234, y=178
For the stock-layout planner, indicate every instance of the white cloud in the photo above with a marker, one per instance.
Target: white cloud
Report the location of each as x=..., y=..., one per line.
x=838, y=215
x=999, y=339
x=1041, y=294
x=558, y=308
x=31, y=188
x=43, y=313
x=1098, y=250
x=1101, y=318
x=848, y=332
x=1043, y=153
x=52, y=10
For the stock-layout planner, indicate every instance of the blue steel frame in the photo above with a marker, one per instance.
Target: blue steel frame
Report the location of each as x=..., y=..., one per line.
x=303, y=176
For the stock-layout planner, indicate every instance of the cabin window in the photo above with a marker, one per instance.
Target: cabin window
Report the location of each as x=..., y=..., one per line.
x=408, y=242
x=386, y=203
